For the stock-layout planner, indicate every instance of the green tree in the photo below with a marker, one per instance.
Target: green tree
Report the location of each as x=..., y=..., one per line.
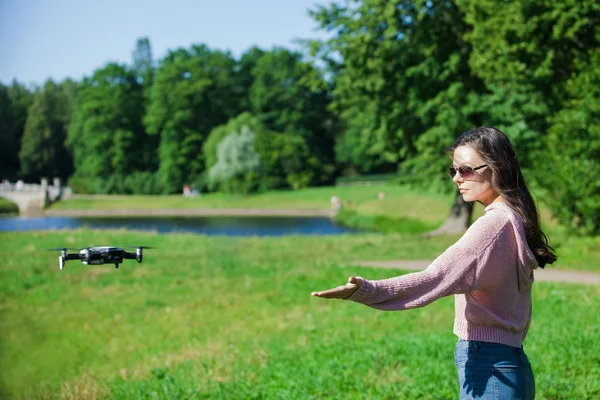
x=402, y=85
x=9, y=137
x=285, y=160
x=291, y=96
x=238, y=163
x=14, y=110
x=525, y=52
x=244, y=69
x=43, y=152
x=194, y=91
x=106, y=134
x=540, y=64
x=400, y=71
x=569, y=165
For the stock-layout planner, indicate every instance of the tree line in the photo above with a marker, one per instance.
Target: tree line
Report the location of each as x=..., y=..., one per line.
x=394, y=83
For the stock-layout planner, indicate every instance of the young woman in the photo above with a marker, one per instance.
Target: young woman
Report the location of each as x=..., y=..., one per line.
x=489, y=270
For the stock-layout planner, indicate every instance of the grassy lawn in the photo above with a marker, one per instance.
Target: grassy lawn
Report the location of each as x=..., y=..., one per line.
x=219, y=317
x=318, y=197
x=402, y=210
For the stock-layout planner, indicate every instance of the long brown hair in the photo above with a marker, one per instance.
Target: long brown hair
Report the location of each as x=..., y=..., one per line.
x=497, y=152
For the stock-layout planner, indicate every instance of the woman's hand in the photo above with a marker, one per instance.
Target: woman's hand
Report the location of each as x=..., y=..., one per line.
x=341, y=292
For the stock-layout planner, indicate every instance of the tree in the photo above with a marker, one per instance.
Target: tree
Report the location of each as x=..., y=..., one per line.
x=409, y=76
x=106, y=134
x=402, y=85
x=9, y=137
x=539, y=62
x=43, y=152
x=285, y=160
x=14, y=110
x=194, y=91
x=291, y=96
x=525, y=51
x=244, y=70
x=569, y=165
x=238, y=163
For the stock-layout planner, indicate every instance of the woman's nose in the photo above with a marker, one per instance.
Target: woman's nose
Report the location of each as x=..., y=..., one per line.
x=457, y=178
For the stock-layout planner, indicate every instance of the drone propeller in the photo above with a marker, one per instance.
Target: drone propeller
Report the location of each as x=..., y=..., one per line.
x=61, y=249
x=139, y=247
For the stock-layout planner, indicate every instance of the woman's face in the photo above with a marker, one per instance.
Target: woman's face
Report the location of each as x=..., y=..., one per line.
x=474, y=185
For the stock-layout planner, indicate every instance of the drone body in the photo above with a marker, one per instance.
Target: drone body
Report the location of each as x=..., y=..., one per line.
x=100, y=255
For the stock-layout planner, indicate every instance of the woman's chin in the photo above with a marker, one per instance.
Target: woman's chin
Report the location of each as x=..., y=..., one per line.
x=467, y=198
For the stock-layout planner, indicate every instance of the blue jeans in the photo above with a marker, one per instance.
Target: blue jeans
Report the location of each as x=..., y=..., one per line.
x=493, y=371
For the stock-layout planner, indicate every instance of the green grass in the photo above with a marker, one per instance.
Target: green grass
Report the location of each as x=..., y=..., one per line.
x=318, y=197
x=224, y=318
x=402, y=210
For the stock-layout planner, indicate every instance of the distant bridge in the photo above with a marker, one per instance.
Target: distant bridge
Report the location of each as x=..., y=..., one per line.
x=32, y=198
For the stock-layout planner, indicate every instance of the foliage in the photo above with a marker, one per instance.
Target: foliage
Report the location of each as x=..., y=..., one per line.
x=216, y=136
x=43, y=152
x=7, y=207
x=285, y=159
x=290, y=96
x=570, y=165
x=290, y=156
x=410, y=76
x=238, y=163
x=540, y=64
x=134, y=183
x=525, y=52
x=15, y=101
x=194, y=91
x=106, y=135
x=9, y=137
x=401, y=81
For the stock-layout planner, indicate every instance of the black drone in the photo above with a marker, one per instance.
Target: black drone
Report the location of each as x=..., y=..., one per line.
x=101, y=255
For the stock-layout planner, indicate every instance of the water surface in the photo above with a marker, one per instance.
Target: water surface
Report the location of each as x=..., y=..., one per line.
x=217, y=225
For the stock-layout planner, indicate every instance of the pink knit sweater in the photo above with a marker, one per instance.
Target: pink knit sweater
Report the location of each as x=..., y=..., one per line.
x=490, y=272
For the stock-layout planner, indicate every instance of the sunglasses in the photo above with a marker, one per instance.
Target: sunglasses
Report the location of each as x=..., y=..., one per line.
x=465, y=172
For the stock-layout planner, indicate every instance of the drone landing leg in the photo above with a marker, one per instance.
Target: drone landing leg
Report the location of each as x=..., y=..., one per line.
x=116, y=265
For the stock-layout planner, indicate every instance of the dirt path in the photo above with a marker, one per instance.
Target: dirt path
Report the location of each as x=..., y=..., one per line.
x=549, y=274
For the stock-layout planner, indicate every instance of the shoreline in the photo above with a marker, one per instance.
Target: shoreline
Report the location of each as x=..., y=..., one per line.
x=192, y=212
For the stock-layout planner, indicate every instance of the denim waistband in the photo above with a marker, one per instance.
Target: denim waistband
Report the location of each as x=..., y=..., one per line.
x=492, y=353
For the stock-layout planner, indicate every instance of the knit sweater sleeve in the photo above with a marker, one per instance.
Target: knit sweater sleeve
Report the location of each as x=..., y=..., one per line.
x=453, y=272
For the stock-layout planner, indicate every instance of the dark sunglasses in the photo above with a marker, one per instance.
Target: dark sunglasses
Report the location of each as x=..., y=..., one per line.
x=465, y=172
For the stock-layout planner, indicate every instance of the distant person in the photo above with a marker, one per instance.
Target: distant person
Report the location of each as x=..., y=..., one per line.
x=336, y=203
x=489, y=270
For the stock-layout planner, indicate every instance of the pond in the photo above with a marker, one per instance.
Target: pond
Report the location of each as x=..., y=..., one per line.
x=217, y=225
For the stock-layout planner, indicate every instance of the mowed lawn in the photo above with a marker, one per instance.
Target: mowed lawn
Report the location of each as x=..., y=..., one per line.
x=232, y=318
x=401, y=209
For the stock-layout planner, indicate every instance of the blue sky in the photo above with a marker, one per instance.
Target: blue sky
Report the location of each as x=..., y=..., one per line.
x=41, y=39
